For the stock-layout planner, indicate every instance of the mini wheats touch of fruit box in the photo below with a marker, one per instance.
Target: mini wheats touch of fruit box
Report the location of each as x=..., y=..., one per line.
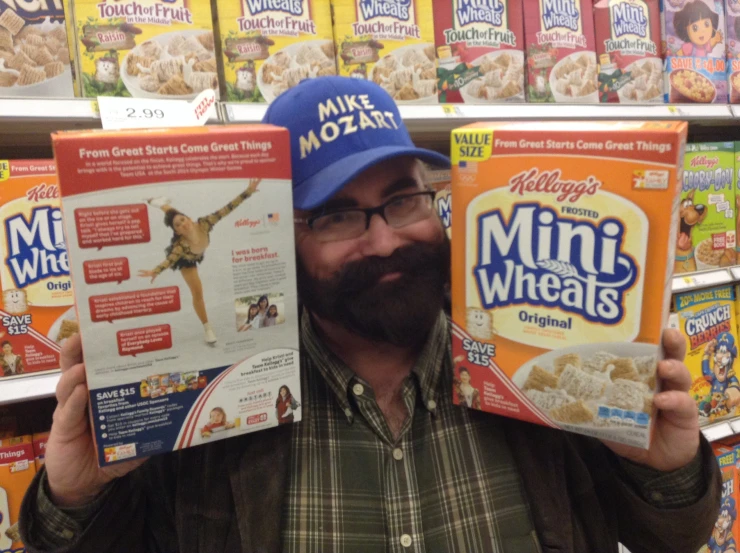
x=561, y=263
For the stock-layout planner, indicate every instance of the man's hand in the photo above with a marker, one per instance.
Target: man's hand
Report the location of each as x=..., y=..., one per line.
x=710, y=347
x=71, y=460
x=676, y=438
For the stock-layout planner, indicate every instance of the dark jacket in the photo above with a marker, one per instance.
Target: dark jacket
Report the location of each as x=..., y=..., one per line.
x=227, y=497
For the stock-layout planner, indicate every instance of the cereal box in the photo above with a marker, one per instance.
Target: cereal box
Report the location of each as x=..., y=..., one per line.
x=269, y=47
x=736, y=180
x=562, y=253
x=17, y=470
x=37, y=312
x=34, y=54
x=629, y=48
x=561, y=51
x=480, y=50
x=440, y=181
x=707, y=321
x=707, y=222
x=696, y=69
x=732, y=9
x=39, y=449
x=727, y=525
x=144, y=48
x=390, y=42
x=188, y=308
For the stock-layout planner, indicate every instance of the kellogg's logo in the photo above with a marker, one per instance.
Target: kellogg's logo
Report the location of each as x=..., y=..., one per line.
x=479, y=11
x=36, y=247
x=704, y=161
x=535, y=257
x=561, y=13
x=550, y=182
x=292, y=7
x=398, y=9
x=629, y=18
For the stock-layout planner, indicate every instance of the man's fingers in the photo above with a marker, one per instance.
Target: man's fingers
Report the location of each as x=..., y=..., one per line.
x=70, y=379
x=674, y=344
x=676, y=405
x=71, y=352
x=674, y=375
x=70, y=417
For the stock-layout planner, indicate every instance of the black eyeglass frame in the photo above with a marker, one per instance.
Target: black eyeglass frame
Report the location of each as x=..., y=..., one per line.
x=369, y=211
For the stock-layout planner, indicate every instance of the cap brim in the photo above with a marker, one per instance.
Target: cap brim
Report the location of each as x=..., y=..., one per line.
x=323, y=185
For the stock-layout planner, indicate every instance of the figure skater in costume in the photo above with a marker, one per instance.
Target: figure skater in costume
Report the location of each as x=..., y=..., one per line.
x=190, y=240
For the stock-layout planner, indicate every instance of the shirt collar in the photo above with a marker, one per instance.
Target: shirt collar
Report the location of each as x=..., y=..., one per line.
x=433, y=357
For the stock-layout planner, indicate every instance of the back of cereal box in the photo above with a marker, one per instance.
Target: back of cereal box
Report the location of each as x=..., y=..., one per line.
x=708, y=322
x=390, y=43
x=561, y=53
x=628, y=44
x=37, y=312
x=480, y=50
x=270, y=47
x=561, y=265
x=33, y=47
x=144, y=48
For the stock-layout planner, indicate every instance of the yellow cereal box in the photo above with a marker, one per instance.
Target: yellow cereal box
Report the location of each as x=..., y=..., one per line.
x=270, y=46
x=562, y=249
x=708, y=322
x=37, y=312
x=390, y=42
x=17, y=470
x=144, y=48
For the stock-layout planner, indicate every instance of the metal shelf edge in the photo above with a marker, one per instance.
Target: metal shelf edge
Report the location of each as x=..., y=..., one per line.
x=28, y=387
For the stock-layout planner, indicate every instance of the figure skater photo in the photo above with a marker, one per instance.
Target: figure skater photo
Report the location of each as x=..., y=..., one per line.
x=285, y=405
x=697, y=25
x=190, y=240
x=10, y=362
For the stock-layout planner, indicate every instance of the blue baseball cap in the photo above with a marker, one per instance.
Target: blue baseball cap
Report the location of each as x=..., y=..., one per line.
x=340, y=126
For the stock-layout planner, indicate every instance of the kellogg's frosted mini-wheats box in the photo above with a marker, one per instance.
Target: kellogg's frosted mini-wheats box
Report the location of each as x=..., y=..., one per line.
x=562, y=251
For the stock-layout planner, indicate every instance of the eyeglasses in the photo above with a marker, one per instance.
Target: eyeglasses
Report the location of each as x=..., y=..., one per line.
x=346, y=224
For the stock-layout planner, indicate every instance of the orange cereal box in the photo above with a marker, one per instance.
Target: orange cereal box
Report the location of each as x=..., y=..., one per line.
x=17, y=470
x=37, y=312
x=562, y=253
x=39, y=448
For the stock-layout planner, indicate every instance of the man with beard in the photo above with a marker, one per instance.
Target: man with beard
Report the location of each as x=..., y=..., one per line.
x=382, y=460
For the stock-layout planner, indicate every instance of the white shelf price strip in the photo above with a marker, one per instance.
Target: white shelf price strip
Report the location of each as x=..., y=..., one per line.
x=691, y=281
x=28, y=387
x=718, y=431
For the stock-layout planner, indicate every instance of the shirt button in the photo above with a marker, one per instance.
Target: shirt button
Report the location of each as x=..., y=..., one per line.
x=656, y=496
x=432, y=405
x=397, y=454
x=406, y=540
x=358, y=389
x=348, y=412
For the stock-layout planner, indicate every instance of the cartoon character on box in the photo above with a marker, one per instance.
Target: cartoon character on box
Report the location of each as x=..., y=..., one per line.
x=717, y=368
x=722, y=540
x=689, y=215
x=697, y=25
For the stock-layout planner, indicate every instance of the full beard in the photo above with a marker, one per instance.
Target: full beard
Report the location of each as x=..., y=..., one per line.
x=401, y=311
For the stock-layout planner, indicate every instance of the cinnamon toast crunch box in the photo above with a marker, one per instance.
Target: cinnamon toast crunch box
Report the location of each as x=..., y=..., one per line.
x=562, y=247
x=37, y=312
x=17, y=470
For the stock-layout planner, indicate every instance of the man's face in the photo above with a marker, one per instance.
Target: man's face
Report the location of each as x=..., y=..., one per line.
x=388, y=284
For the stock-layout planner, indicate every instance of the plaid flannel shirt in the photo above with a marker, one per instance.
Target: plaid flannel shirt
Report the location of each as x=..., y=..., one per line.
x=448, y=483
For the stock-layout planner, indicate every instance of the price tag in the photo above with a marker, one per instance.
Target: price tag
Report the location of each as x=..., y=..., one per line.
x=717, y=431
x=674, y=110
x=451, y=110
x=144, y=113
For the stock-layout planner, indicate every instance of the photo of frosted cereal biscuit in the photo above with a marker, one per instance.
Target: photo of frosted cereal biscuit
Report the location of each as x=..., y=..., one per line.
x=18, y=61
x=539, y=379
x=479, y=323
x=8, y=79
x=31, y=75
x=11, y=21
x=15, y=301
x=597, y=362
x=580, y=384
x=550, y=399
x=564, y=360
x=622, y=367
x=174, y=86
x=6, y=40
x=53, y=69
x=573, y=413
x=627, y=394
x=67, y=329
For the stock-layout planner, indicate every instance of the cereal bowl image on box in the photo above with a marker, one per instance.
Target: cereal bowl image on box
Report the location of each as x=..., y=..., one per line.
x=408, y=74
x=688, y=86
x=502, y=78
x=294, y=63
x=574, y=79
x=562, y=251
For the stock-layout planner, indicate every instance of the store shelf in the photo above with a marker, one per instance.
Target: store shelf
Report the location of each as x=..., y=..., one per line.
x=716, y=277
x=722, y=429
x=28, y=387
